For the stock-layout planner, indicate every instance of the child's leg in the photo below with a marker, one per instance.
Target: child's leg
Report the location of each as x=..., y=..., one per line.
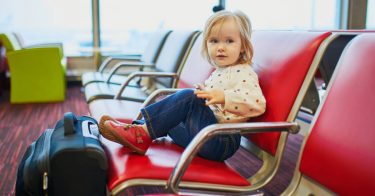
x=182, y=116
x=166, y=114
x=218, y=148
x=161, y=116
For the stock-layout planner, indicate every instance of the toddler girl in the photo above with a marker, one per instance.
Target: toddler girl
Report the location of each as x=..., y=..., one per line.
x=230, y=95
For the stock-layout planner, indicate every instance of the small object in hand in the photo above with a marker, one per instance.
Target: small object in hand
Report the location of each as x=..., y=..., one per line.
x=198, y=87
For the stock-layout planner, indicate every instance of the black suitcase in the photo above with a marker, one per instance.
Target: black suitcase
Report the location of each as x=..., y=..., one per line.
x=67, y=160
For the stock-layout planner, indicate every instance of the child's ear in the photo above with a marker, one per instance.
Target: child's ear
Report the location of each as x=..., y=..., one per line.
x=242, y=50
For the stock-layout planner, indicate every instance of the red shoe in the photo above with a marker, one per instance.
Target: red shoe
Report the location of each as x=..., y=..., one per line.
x=104, y=131
x=132, y=136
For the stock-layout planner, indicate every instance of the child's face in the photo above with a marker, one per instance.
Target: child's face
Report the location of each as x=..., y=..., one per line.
x=224, y=43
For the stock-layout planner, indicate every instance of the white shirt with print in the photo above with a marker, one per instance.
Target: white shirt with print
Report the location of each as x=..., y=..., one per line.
x=243, y=95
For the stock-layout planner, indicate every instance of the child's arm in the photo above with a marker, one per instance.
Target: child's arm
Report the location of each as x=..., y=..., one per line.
x=245, y=98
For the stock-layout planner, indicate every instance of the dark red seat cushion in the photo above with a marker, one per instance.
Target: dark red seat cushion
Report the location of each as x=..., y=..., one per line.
x=158, y=163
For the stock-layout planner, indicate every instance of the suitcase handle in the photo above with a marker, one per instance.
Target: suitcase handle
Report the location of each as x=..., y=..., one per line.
x=69, y=120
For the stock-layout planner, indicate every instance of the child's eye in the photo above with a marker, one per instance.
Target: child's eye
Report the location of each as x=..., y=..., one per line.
x=229, y=41
x=213, y=41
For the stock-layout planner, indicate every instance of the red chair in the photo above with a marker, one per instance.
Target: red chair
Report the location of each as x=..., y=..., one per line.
x=338, y=154
x=285, y=62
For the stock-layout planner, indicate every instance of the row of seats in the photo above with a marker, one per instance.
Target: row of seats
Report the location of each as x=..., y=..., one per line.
x=147, y=59
x=163, y=71
x=336, y=156
x=101, y=85
x=276, y=66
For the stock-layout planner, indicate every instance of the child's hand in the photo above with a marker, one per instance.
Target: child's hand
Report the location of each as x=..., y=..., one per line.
x=213, y=96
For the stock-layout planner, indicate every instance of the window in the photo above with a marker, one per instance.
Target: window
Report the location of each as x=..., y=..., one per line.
x=289, y=14
x=127, y=25
x=47, y=21
x=370, y=21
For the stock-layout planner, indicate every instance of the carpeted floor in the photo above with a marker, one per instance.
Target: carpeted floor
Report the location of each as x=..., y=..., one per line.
x=20, y=124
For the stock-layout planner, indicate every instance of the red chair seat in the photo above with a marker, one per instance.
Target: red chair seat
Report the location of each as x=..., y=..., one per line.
x=158, y=163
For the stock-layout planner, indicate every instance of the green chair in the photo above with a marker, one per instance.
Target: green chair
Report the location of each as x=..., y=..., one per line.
x=37, y=73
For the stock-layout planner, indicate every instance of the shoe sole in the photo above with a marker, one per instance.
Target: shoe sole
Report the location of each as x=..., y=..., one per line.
x=103, y=130
x=124, y=142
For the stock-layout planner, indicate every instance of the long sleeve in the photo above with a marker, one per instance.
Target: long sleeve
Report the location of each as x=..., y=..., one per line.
x=245, y=98
x=243, y=95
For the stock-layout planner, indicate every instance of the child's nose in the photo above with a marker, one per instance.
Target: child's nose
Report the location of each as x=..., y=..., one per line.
x=220, y=48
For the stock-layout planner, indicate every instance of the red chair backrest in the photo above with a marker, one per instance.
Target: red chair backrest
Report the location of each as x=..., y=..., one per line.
x=339, y=152
x=282, y=60
x=196, y=69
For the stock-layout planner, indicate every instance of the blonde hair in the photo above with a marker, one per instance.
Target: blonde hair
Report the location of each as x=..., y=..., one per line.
x=244, y=26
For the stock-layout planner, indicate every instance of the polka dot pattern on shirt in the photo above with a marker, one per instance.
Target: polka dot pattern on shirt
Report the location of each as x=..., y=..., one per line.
x=240, y=86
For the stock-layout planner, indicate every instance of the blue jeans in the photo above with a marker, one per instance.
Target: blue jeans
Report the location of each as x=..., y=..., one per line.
x=181, y=116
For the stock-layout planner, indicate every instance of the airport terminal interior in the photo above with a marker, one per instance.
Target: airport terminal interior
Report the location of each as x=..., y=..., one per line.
x=75, y=76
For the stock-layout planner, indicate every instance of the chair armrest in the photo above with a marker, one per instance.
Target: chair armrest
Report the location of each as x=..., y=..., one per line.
x=158, y=93
x=119, y=65
x=106, y=61
x=128, y=57
x=218, y=129
x=144, y=74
